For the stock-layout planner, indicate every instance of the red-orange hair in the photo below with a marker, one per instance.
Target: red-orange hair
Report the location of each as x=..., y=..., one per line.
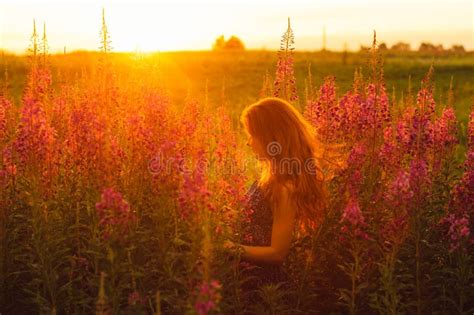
x=291, y=156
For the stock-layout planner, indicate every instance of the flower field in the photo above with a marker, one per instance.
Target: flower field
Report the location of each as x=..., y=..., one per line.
x=117, y=192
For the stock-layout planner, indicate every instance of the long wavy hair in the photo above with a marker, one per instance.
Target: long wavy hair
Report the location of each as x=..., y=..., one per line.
x=292, y=157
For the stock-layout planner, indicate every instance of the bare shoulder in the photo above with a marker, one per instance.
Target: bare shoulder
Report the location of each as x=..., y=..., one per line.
x=290, y=187
x=287, y=189
x=285, y=200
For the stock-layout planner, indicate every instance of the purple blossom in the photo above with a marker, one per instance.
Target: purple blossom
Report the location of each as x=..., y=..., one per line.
x=357, y=156
x=3, y=117
x=194, y=195
x=285, y=81
x=350, y=106
x=135, y=298
x=115, y=216
x=208, y=297
x=470, y=132
x=352, y=213
x=458, y=230
x=461, y=209
x=389, y=153
x=419, y=179
x=35, y=136
x=399, y=191
x=324, y=113
x=445, y=129
x=374, y=112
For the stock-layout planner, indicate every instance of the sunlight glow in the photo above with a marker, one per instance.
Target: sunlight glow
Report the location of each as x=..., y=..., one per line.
x=193, y=25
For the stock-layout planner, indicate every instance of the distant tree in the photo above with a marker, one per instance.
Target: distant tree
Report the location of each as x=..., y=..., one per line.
x=428, y=47
x=457, y=49
x=383, y=46
x=232, y=44
x=401, y=46
x=219, y=44
x=364, y=48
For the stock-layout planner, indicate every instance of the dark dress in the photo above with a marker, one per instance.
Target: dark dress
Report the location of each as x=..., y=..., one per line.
x=258, y=232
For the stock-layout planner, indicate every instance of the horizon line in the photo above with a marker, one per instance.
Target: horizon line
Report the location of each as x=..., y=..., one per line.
x=85, y=50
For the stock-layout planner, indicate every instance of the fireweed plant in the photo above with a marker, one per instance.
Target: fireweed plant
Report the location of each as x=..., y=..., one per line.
x=116, y=200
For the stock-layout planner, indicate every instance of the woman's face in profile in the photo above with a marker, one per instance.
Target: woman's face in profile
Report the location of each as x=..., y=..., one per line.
x=256, y=146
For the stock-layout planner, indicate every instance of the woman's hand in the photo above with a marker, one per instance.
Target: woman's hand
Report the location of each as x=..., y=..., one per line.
x=229, y=245
x=233, y=248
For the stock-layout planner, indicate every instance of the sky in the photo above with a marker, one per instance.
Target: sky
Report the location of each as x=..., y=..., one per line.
x=193, y=25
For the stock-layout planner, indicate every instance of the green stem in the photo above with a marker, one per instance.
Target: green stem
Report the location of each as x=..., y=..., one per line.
x=418, y=282
x=354, y=275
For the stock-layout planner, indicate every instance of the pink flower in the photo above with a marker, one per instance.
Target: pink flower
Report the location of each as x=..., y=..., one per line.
x=357, y=156
x=419, y=179
x=140, y=137
x=458, y=230
x=404, y=128
x=114, y=214
x=388, y=150
x=208, y=297
x=353, y=221
x=194, y=195
x=85, y=145
x=352, y=213
x=285, y=81
x=350, y=106
x=35, y=136
x=374, y=112
x=324, y=113
x=399, y=191
x=445, y=129
x=4, y=105
x=3, y=178
x=470, y=133
x=134, y=298
x=461, y=210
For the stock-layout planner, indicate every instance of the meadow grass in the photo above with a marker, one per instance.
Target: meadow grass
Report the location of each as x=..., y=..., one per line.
x=241, y=74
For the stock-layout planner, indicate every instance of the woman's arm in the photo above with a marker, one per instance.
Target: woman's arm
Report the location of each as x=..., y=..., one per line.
x=282, y=231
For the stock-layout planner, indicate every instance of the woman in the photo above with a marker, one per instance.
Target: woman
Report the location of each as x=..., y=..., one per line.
x=290, y=193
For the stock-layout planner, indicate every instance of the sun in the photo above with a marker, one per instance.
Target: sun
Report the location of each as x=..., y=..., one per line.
x=159, y=28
